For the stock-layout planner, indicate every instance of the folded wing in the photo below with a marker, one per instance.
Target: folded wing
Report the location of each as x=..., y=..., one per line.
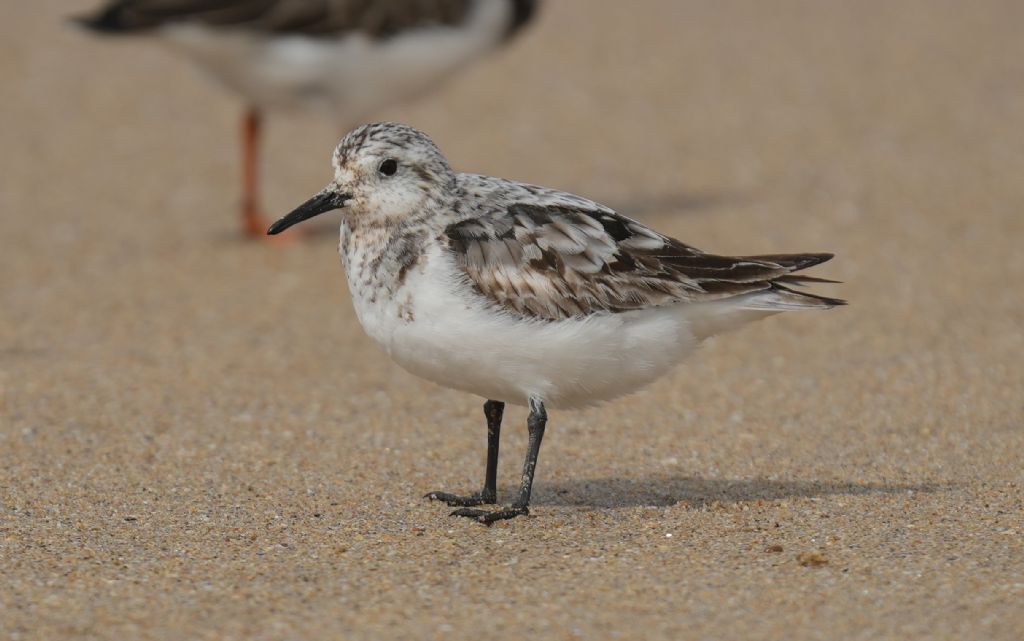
x=553, y=262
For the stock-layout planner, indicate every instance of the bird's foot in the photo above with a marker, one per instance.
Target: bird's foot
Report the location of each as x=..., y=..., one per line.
x=487, y=518
x=454, y=500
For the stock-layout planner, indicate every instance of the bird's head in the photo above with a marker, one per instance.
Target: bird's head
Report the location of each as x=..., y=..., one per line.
x=384, y=172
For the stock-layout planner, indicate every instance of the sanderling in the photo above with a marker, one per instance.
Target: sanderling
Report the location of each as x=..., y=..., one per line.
x=348, y=57
x=522, y=294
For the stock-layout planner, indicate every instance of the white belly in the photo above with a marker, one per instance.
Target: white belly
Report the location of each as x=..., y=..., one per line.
x=438, y=330
x=350, y=76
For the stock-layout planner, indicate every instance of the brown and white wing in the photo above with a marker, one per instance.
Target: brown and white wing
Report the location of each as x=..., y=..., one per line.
x=375, y=18
x=554, y=262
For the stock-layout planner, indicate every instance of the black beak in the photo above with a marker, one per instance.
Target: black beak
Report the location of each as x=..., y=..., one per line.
x=323, y=202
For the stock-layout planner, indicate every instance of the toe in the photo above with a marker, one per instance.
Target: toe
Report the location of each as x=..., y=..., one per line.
x=469, y=512
x=487, y=518
x=455, y=500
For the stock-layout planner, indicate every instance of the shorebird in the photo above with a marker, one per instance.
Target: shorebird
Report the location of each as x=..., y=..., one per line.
x=347, y=58
x=523, y=294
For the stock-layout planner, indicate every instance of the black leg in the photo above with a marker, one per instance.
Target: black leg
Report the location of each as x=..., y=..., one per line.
x=535, y=424
x=493, y=410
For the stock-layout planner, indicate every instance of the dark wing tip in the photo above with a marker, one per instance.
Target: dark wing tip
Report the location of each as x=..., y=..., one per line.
x=810, y=260
x=795, y=262
x=94, y=23
x=800, y=279
x=522, y=12
x=109, y=20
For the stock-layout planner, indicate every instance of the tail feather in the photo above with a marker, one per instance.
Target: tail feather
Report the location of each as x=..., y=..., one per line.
x=779, y=298
x=729, y=313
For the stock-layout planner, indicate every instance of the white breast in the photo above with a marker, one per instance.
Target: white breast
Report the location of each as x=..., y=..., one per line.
x=437, y=328
x=351, y=75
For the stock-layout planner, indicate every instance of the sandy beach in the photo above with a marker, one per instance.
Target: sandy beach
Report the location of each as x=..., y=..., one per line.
x=197, y=440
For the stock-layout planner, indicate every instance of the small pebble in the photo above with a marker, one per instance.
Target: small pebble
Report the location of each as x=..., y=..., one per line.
x=811, y=559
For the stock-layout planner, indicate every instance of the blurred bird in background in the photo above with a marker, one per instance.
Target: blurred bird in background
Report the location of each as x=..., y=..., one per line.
x=346, y=58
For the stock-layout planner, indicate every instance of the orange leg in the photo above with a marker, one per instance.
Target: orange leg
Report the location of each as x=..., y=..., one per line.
x=253, y=223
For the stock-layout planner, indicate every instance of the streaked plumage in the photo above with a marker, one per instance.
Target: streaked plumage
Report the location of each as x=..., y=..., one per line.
x=556, y=262
x=524, y=294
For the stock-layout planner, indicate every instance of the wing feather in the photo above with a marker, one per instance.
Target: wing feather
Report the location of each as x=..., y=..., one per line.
x=557, y=261
x=375, y=18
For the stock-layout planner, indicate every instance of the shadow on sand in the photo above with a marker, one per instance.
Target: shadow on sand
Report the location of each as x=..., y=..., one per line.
x=698, y=492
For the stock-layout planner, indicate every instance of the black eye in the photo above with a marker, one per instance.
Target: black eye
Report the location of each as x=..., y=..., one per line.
x=388, y=167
